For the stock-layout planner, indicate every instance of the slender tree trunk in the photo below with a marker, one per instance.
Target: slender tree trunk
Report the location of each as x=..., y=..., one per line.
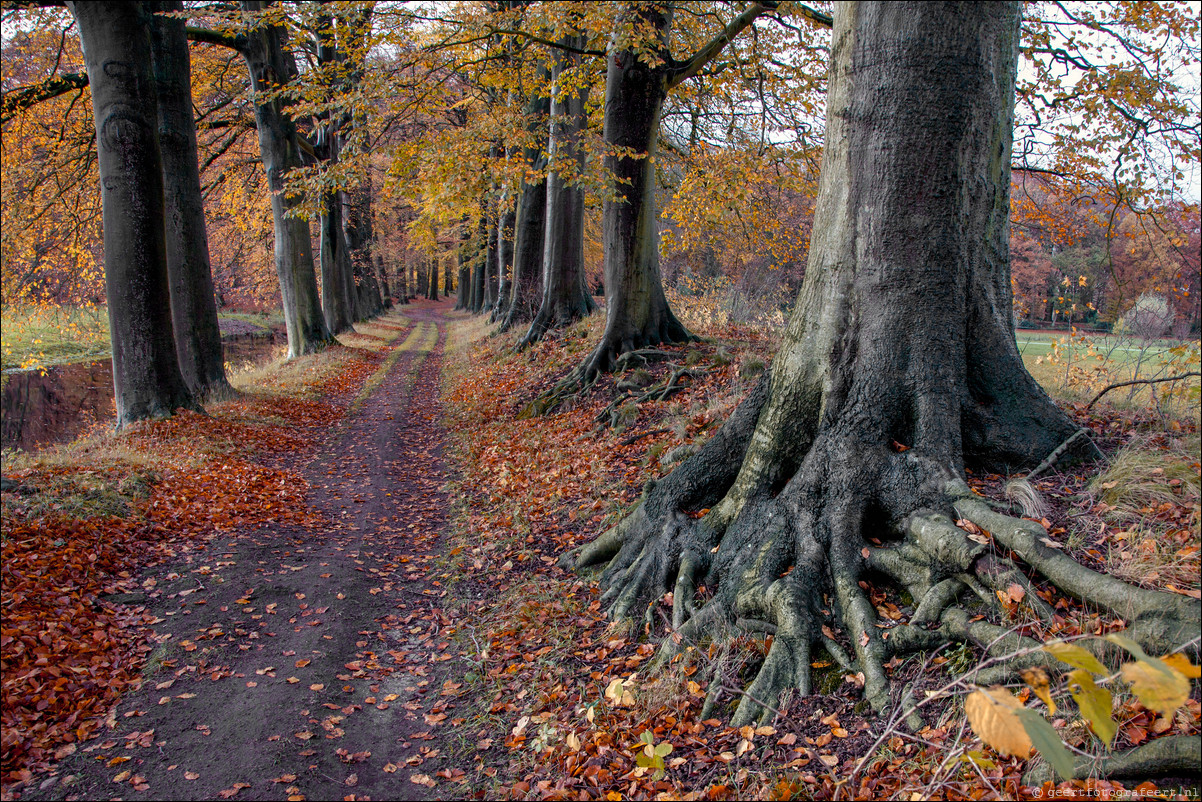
x=337, y=281
x=448, y=281
x=637, y=312
x=505, y=235
x=270, y=64
x=898, y=369
x=480, y=262
x=530, y=225
x=116, y=42
x=403, y=295
x=193, y=304
x=385, y=288
x=565, y=297
x=432, y=283
x=463, y=292
x=493, y=265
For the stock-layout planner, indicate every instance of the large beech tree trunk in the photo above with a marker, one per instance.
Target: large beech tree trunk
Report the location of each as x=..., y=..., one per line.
x=271, y=65
x=565, y=298
x=190, y=276
x=116, y=40
x=898, y=369
x=637, y=312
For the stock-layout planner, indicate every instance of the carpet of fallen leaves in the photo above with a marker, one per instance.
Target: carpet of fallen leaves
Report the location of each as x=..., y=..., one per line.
x=563, y=706
x=565, y=689
x=68, y=653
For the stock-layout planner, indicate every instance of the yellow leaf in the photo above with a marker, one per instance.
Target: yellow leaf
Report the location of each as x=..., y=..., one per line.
x=1094, y=704
x=1039, y=682
x=1076, y=657
x=991, y=713
x=1181, y=664
x=1159, y=687
x=573, y=742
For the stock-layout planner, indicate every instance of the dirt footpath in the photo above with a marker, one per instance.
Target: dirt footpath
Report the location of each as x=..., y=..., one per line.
x=307, y=664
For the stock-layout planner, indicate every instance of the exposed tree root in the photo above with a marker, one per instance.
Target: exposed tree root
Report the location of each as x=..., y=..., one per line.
x=579, y=381
x=1174, y=756
x=792, y=565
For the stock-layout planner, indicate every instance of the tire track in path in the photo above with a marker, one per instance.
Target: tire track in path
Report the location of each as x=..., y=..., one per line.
x=307, y=663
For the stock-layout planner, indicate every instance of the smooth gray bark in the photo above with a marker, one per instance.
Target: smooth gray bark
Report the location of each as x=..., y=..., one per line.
x=565, y=297
x=637, y=313
x=116, y=41
x=193, y=302
x=270, y=65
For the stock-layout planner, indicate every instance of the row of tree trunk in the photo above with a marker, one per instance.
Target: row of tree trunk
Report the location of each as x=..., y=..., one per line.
x=546, y=284
x=166, y=340
x=524, y=264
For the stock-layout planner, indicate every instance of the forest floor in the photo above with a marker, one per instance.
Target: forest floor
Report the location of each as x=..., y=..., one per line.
x=344, y=585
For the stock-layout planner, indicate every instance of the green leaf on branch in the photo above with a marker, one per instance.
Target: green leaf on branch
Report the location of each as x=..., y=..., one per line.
x=1076, y=657
x=1094, y=703
x=1046, y=741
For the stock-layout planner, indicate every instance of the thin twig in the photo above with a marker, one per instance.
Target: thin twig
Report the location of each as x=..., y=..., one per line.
x=1178, y=377
x=1057, y=452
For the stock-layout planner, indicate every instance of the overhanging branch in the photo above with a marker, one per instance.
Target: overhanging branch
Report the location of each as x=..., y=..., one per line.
x=692, y=65
x=211, y=37
x=18, y=100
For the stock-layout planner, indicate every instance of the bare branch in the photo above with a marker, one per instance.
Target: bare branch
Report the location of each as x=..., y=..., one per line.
x=1117, y=385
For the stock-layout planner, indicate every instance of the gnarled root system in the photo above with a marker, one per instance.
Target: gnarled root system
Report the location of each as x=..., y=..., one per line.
x=792, y=560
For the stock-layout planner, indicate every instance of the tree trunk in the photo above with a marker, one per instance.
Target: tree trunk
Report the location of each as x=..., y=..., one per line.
x=463, y=290
x=337, y=280
x=403, y=295
x=565, y=297
x=270, y=65
x=637, y=312
x=898, y=369
x=505, y=234
x=385, y=289
x=447, y=282
x=358, y=232
x=193, y=303
x=422, y=276
x=147, y=382
x=493, y=266
x=526, y=288
x=432, y=280
x=481, y=260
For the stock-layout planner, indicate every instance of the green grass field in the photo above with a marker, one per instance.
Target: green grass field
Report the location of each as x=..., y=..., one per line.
x=38, y=336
